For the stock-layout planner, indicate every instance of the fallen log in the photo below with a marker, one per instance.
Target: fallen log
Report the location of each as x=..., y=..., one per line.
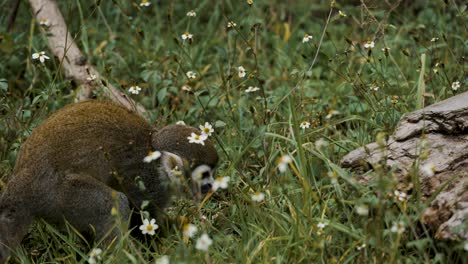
x=433, y=144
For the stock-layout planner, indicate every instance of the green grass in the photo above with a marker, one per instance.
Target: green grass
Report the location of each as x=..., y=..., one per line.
x=333, y=73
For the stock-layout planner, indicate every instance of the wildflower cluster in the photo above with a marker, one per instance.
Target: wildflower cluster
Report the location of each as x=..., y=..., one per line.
x=206, y=131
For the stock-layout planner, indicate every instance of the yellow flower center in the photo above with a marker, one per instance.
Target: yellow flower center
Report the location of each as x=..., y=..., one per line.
x=149, y=227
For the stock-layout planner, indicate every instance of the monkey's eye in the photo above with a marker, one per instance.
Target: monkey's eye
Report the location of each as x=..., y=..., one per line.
x=205, y=174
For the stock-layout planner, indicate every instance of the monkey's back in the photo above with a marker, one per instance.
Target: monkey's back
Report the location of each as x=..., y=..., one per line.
x=98, y=138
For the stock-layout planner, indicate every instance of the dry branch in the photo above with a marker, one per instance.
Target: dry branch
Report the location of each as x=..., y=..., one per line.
x=439, y=131
x=74, y=64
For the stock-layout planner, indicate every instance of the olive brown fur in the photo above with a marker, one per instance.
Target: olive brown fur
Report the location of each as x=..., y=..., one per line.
x=88, y=157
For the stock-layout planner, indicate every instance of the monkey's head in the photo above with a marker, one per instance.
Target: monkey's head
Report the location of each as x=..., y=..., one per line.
x=180, y=158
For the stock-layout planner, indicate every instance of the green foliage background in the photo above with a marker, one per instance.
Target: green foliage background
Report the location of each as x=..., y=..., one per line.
x=326, y=82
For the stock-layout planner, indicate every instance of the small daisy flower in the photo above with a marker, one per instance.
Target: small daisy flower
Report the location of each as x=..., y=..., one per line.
x=191, y=13
x=333, y=176
x=44, y=22
x=152, y=155
x=361, y=246
x=197, y=139
x=94, y=255
x=180, y=122
x=206, y=129
x=186, y=88
x=204, y=242
x=398, y=228
x=428, y=169
x=307, y=38
x=331, y=113
x=134, y=89
x=322, y=225
x=374, y=87
x=304, y=125
x=362, y=210
x=231, y=24
x=455, y=85
x=41, y=56
x=320, y=143
x=250, y=2
x=251, y=89
x=191, y=75
x=162, y=260
x=283, y=162
x=189, y=230
x=187, y=36
x=258, y=197
x=395, y=99
x=400, y=196
x=91, y=77
x=341, y=13
x=149, y=227
x=434, y=39
x=369, y=44
x=221, y=182
x=241, y=71
x=385, y=49
x=145, y=3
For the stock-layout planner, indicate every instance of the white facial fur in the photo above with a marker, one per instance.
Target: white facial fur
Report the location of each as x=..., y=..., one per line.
x=202, y=178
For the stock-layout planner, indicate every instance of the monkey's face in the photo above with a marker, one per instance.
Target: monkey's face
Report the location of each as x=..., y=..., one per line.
x=185, y=161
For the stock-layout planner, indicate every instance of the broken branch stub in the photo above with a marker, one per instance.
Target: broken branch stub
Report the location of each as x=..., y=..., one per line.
x=435, y=139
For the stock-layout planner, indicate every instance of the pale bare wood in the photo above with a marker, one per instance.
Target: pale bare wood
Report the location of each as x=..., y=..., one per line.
x=444, y=129
x=72, y=61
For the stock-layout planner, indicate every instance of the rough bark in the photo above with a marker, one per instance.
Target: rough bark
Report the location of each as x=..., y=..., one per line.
x=72, y=61
x=436, y=135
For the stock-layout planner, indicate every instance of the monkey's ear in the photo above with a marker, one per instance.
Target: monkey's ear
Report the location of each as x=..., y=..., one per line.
x=173, y=165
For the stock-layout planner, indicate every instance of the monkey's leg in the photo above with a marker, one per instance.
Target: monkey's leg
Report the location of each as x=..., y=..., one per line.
x=86, y=204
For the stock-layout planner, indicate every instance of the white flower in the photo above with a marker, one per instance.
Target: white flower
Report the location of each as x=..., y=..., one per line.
x=198, y=139
x=455, y=85
x=44, y=22
x=362, y=210
x=341, y=13
x=251, y=89
x=333, y=176
x=134, y=89
x=369, y=44
x=304, y=124
x=186, y=36
x=428, y=169
x=331, y=113
x=307, y=38
x=320, y=143
x=283, y=163
x=400, y=196
x=398, y=227
x=204, y=242
x=322, y=225
x=41, y=56
x=149, y=227
x=145, y=3
x=374, y=87
x=220, y=182
x=162, y=260
x=258, y=197
x=91, y=77
x=191, y=75
x=189, y=230
x=207, y=129
x=231, y=24
x=241, y=71
x=361, y=246
x=434, y=39
x=152, y=155
x=94, y=255
x=191, y=13
x=186, y=88
x=180, y=122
